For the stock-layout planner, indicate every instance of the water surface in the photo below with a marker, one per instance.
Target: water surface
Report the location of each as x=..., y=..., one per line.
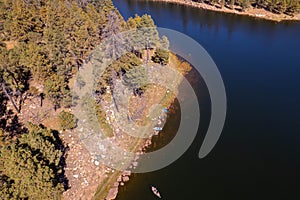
x=258, y=154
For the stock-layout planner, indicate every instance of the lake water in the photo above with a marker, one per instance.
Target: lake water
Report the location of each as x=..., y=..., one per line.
x=258, y=154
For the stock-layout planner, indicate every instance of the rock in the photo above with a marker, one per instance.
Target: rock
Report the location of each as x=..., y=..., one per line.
x=112, y=194
x=75, y=175
x=135, y=164
x=125, y=178
x=126, y=173
x=97, y=163
x=119, y=179
x=116, y=184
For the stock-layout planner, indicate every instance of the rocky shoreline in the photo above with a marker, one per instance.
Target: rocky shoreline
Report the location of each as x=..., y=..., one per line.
x=125, y=175
x=141, y=146
x=252, y=12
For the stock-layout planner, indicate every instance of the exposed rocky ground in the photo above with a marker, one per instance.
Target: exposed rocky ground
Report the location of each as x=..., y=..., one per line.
x=89, y=156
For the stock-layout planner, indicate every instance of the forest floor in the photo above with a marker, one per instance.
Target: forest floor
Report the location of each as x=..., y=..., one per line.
x=253, y=12
x=81, y=171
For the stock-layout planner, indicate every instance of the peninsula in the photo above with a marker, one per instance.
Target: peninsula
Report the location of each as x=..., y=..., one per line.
x=51, y=96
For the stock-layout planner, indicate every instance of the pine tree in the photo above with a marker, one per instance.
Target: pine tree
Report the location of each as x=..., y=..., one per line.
x=245, y=4
x=161, y=56
x=66, y=120
x=31, y=166
x=136, y=78
x=113, y=36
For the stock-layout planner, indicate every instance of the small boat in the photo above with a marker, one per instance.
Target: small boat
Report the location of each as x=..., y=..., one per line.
x=155, y=191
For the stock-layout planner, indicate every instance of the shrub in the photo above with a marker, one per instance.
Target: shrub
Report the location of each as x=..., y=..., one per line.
x=161, y=56
x=66, y=120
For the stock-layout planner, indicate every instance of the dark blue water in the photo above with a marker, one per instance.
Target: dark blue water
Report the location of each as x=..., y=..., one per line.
x=258, y=154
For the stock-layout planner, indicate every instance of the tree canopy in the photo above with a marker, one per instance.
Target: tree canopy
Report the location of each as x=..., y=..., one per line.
x=32, y=166
x=48, y=40
x=42, y=43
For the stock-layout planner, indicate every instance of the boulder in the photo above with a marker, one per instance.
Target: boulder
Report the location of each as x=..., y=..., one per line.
x=126, y=173
x=125, y=178
x=119, y=179
x=112, y=193
x=135, y=164
x=116, y=184
x=75, y=175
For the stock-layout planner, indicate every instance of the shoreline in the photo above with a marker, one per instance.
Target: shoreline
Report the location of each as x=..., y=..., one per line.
x=258, y=13
x=111, y=187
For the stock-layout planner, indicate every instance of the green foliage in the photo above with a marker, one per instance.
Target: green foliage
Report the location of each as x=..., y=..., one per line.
x=136, y=77
x=45, y=42
x=13, y=75
x=51, y=38
x=55, y=89
x=145, y=29
x=125, y=63
x=101, y=119
x=111, y=33
x=245, y=4
x=33, y=91
x=164, y=42
x=161, y=56
x=31, y=167
x=66, y=120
